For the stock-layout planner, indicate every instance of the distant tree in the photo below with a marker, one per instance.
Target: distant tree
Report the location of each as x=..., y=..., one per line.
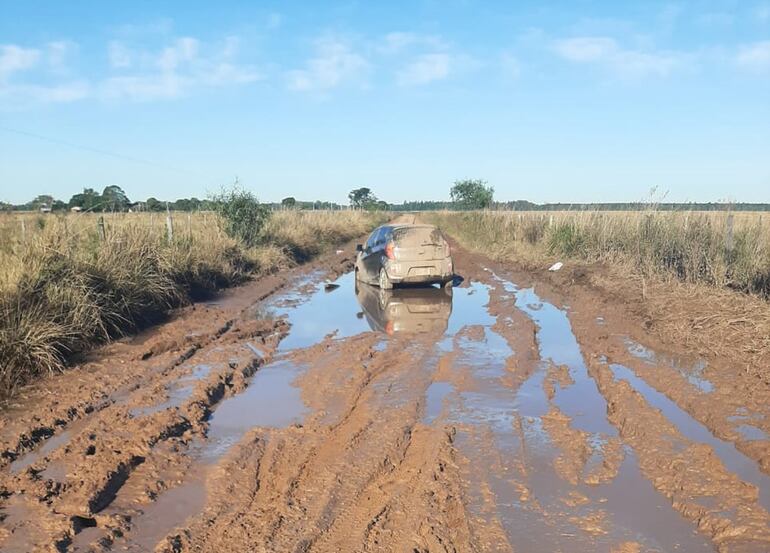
x=44, y=200
x=88, y=200
x=289, y=202
x=181, y=204
x=154, y=204
x=361, y=197
x=114, y=199
x=378, y=205
x=58, y=205
x=472, y=194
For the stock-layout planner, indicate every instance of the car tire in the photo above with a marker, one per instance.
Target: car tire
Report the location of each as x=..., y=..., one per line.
x=385, y=283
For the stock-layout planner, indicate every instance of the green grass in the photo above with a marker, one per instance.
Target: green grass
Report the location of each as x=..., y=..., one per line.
x=64, y=288
x=695, y=247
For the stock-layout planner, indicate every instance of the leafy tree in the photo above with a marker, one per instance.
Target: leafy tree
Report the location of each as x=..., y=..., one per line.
x=472, y=194
x=44, y=200
x=244, y=216
x=114, y=199
x=181, y=204
x=289, y=202
x=361, y=197
x=88, y=200
x=154, y=204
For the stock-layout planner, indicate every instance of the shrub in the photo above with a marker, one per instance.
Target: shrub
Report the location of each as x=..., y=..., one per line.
x=242, y=214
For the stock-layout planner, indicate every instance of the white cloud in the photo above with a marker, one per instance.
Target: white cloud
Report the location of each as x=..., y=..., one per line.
x=57, y=54
x=24, y=96
x=425, y=69
x=762, y=13
x=133, y=73
x=119, y=55
x=627, y=63
x=333, y=63
x=15, y=58
x=398, y=41
x=755, y=57
x=176, y=69
x=183, y=50
x=510, y=64
x=715, y=19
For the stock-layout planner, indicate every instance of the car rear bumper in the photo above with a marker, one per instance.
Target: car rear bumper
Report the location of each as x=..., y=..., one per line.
x=421, y=272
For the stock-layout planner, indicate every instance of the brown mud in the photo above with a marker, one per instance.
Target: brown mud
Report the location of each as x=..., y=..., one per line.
x=521, y=413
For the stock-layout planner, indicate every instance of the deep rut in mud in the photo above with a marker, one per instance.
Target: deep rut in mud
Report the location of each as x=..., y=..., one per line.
x=335, y=417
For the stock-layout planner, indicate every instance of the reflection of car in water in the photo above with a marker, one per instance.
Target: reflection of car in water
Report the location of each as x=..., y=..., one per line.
x=408, y=310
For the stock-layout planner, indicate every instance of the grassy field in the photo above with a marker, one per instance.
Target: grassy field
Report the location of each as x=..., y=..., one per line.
x=68, y=282
x=715, y=248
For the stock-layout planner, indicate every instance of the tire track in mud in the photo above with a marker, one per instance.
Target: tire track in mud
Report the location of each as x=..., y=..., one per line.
x=507, y=430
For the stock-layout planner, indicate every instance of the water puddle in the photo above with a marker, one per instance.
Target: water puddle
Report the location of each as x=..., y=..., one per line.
x=28, y=459
x=404, y=310
x=648, y=519
x=434, y=400
x=172, y=508
x=319, y=314
x=751, y=432
x=179, y=392
x=731, y=457
x=270, y=401
x=581, y=401
x=692, y=371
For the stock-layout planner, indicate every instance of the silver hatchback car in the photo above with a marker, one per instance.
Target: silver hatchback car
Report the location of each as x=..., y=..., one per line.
x=405, y=254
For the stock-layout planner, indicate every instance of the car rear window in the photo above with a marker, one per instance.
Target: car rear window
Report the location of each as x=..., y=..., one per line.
x=418, y=236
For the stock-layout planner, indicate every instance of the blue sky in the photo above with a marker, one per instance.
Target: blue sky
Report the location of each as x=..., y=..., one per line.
x=573, y=101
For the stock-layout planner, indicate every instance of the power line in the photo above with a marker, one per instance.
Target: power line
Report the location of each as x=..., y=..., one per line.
x=92, y=149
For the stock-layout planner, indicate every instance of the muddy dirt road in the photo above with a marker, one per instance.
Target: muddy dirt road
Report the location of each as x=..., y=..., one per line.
x=300, y=414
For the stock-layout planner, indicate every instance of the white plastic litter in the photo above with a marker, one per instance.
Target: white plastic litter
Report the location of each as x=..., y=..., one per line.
x=556, y=266
x=340, y=251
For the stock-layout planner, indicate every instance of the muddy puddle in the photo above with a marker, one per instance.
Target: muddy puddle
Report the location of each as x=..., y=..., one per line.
x=735, y=461
x=527, y=429
x=559, y=475
x=490, y=363
x=692, y=370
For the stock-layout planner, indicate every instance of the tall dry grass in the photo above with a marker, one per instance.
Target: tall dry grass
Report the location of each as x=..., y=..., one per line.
x=66, y=284
x=719, y=249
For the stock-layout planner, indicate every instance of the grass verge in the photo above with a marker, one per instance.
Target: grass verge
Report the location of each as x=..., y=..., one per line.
x=67, y=283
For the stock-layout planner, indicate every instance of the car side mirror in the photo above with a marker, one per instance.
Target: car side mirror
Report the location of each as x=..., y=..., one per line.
x=359, y=248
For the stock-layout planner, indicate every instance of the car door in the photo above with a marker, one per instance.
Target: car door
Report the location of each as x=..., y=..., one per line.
x=372, y=261
x=366, y=255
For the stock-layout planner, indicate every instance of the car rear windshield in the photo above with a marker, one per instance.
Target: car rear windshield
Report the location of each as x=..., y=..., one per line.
x=418, y=236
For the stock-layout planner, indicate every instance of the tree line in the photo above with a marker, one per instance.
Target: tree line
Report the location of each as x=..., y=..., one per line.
x=467, y=194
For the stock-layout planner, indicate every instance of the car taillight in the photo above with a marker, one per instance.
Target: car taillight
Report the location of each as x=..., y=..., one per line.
x=390, y=250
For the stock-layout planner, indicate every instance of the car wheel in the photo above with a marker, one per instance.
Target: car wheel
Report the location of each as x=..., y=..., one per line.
x=385, y=282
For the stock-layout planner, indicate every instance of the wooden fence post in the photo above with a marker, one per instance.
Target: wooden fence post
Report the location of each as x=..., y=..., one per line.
x=729, y=243
x=169, y=226
x=189, y=224
x=100, y=228
x=23, y=229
